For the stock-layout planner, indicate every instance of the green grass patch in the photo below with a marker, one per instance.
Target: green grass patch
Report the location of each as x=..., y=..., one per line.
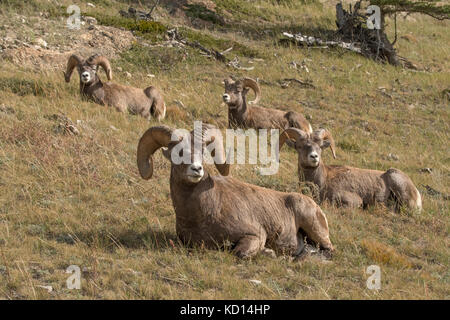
x=154, y=31
x=201, y=12
x=349, y=146
x=150, y=30
x=23, y=87
x=235, y=6
x=220, y=44
x=32, y=7
x=158, y=59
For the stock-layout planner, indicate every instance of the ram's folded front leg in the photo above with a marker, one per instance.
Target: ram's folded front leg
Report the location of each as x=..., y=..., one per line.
x=248, y=246
x=347, y=199
x=315, y=225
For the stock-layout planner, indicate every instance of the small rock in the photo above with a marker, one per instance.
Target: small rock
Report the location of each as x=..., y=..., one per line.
x=284, y=85
x=113, y=128
x=128, y=75
x=41, y=42
x=119, y=69
x=150, y=75
x=90, y=5
x=7, y=109
x=48, y=288
x=254, y=281
x=393, y=156
x=134, y=272
x=73, y=129
x=90, y=20
x=426, y=170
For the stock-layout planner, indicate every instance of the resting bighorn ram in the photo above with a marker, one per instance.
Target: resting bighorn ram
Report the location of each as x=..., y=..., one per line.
x=245, y=114
x=211, y=210
x=146, y=102
x=348, y=186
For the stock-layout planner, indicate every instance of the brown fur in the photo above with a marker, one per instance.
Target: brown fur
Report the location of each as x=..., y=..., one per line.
x=145, y=102
x=241, y=114
x=217, y=209
x=354, y=187
x=251, y=217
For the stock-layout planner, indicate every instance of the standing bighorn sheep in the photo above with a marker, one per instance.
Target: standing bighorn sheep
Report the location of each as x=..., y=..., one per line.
x=248, y=115
x=146, y=102
x=348, y=186
x=211, y=210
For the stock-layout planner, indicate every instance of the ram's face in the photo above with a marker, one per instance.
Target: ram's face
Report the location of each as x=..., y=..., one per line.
x=186, y=161
x=233, y=93
x=88, y=73
x=309, y=152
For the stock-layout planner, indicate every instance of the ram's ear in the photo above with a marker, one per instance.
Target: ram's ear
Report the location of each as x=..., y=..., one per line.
x=325, y=144
x=325, y=139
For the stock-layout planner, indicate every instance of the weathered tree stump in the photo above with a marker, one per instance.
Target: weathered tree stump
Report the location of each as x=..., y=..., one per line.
x=374, y=43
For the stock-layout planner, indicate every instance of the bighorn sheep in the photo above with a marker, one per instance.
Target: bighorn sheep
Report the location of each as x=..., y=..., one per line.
x=248, y=115
x=348, y=186
x=146, y=102
x=212, y=210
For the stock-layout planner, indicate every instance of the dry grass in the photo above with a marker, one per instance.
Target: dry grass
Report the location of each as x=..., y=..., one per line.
x=78, y=199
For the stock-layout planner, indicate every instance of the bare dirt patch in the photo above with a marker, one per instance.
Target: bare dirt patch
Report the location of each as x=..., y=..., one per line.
x=43, y=43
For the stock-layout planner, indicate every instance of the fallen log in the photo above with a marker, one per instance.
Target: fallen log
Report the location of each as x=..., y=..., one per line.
x=311, y=41
x=210, y=52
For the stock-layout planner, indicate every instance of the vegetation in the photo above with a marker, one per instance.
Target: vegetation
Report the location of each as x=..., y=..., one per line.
x=77, y=199
x=150, y=30
x=434, y=8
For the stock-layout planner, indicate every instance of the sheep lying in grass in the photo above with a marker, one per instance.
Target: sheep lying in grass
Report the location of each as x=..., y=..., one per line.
x=348, y=186
x=212, y=210
x=146, y=102
x=245, y=114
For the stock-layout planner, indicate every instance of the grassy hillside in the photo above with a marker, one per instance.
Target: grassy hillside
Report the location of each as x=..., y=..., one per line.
x=70, y=199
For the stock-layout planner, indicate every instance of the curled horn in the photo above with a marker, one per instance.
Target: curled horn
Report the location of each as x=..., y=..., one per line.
x=228, y=81
x=102, y=62
x=153, y=139
x=213, y=135
x=291, y=133
x=73, y=61
x=325, y=135
x=250, y=83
